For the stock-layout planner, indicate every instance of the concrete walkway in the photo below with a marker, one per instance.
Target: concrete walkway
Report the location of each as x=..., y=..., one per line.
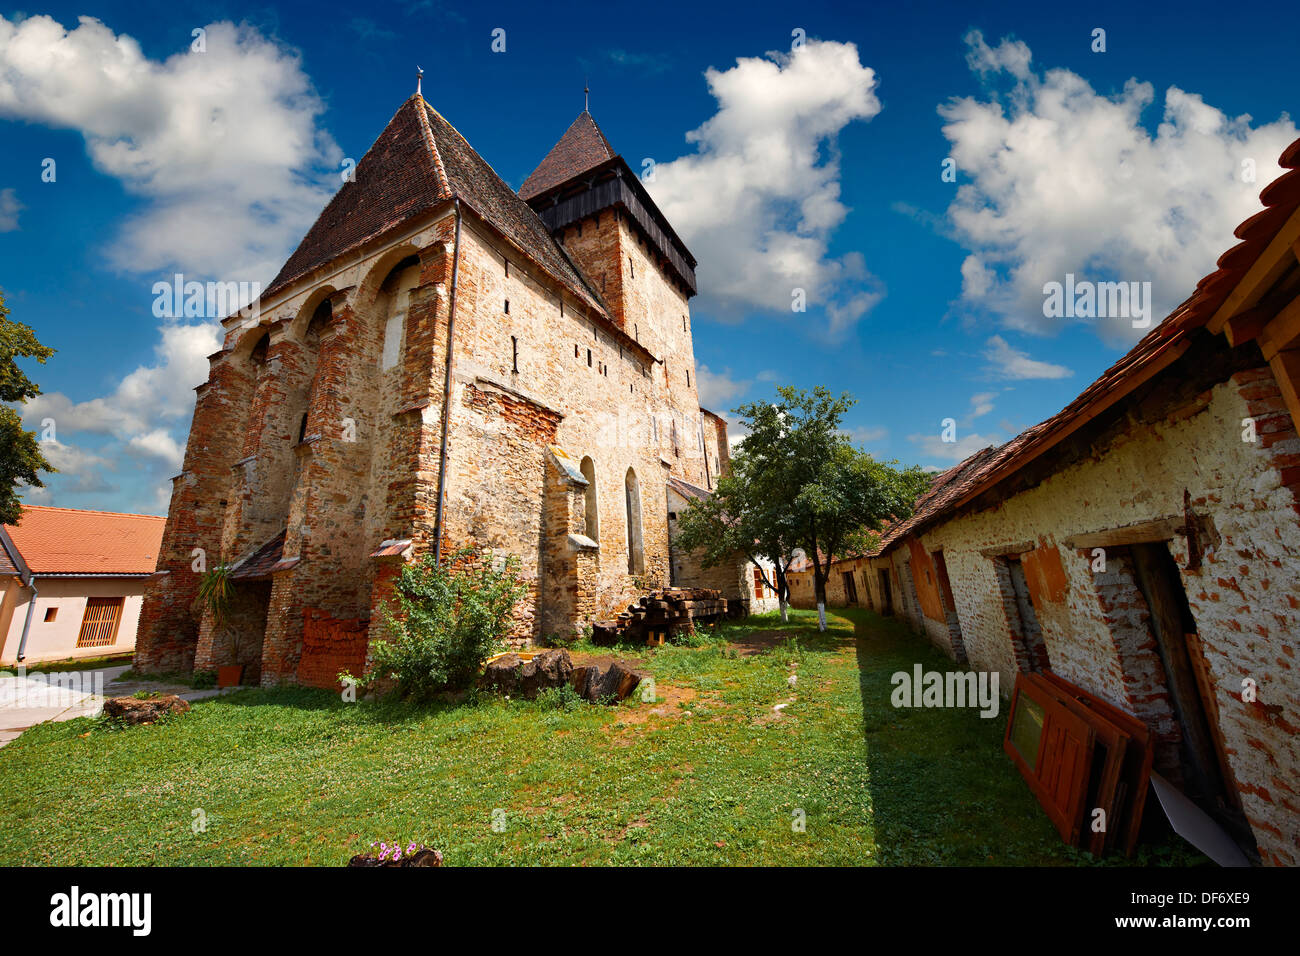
x=63, y=695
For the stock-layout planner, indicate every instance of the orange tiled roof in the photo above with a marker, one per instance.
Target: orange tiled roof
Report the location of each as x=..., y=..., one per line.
x=68, y=541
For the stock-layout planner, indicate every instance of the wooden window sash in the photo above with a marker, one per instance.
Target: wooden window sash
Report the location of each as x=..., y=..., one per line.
x=99, y=623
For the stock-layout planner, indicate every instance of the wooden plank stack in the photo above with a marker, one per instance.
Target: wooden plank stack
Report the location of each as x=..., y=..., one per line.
x=656, y=617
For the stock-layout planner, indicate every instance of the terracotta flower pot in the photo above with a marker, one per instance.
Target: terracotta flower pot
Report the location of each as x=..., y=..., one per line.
x=230, y=675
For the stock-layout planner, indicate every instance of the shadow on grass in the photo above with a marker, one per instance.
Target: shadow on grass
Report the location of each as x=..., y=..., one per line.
x=943, y=792
x=387, y=709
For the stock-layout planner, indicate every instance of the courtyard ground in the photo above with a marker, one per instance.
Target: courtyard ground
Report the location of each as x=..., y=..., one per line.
x=711, y=772
x=65, y=690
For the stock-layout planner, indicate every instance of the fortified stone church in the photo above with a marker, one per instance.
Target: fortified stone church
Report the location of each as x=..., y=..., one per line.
x=443, y=361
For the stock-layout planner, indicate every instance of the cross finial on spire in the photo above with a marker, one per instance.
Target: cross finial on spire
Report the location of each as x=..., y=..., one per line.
x=586, y=97
x=419, y=74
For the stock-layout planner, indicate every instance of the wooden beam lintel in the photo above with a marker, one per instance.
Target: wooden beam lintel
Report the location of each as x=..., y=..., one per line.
x=1143, y=532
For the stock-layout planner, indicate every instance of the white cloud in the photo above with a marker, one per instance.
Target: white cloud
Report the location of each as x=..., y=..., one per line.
x=935, y=447
x=866, y=434
x=758, y=200
x=718, y=389
x=981, y=404
x=139, y=416
x=150, y=394
x=80, y=471
x=1008, y=362
x=223, y=145
x=224, y=149
x=1056, y=178
x=9, y=209
x=160, y=445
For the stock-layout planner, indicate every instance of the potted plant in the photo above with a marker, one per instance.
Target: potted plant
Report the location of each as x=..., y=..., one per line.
x=215, y=595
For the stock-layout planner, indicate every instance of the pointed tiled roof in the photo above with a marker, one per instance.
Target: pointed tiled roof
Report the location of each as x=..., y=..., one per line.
x=396, y=179
x=419, y=161
x=582, y=147
x=476, y=183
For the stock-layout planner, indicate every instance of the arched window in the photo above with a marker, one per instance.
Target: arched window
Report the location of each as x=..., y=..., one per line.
x=592, y=528
x=635, y=549
x=397, y=287
x=257, y=357
x=319, y=320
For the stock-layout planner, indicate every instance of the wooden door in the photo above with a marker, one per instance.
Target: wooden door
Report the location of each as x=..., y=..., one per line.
x=1062, y=744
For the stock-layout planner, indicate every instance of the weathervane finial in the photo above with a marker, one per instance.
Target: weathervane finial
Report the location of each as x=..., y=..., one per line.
x=419, y=74
x=586, y=97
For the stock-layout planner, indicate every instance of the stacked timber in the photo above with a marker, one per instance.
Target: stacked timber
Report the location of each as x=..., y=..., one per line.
x=658, y=616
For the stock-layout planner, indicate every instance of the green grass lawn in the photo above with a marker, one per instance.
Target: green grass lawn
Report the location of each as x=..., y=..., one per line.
x=708, y=774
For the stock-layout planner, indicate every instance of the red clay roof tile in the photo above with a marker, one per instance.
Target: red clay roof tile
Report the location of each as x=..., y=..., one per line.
x=68, y=541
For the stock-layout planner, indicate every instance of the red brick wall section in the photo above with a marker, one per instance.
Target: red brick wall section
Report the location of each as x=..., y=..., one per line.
x=329, y=646
x=168, y=630
x=1138, y=668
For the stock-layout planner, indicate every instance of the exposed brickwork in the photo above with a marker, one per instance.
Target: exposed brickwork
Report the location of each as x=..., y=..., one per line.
x=329, y=647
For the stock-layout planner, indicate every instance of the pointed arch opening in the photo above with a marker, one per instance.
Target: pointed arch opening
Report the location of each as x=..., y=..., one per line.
x=635, y=546
x=591, y=523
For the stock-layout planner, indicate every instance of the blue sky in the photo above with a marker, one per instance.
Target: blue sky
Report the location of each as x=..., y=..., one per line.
x=784, y=164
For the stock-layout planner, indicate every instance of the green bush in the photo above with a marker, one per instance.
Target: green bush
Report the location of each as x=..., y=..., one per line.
x=450, y=619
x=203, y=680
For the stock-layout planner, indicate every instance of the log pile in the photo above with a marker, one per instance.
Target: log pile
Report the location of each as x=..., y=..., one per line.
x=659, y=615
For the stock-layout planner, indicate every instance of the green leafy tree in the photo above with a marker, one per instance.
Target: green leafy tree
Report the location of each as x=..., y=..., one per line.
x=828, y=498
x=738, y=520
x=20, y=454
x=450, y=618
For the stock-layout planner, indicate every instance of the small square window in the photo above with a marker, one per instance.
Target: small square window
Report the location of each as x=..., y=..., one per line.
x=50, y=614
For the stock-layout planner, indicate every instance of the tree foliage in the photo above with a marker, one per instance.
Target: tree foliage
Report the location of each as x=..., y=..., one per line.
x=21, y=460
x=737, y=519
x=798, y=482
